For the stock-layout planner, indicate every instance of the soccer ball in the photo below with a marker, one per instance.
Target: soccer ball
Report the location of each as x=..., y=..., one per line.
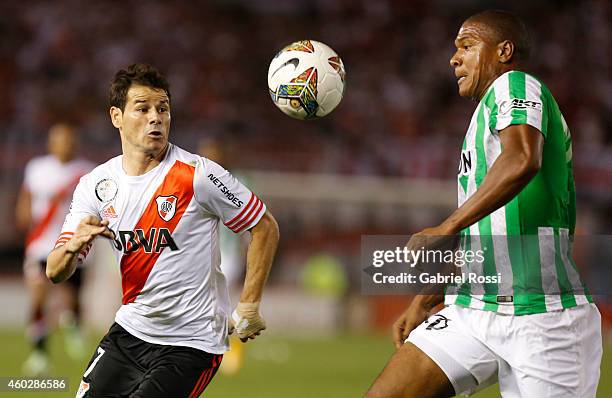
x=306, y=79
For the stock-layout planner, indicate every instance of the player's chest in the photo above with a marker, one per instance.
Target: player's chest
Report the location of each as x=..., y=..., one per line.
x=467, y=156
x=480, y=146
x=49, y=181
x=150, y=204
x=144, y=217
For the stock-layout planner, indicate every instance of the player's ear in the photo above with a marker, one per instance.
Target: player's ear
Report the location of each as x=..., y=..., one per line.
x=116, y=116
x=505, y=51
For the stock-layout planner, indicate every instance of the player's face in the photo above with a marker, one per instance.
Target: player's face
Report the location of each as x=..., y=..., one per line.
x=144, y=124
x=62, y=142
x=475, y=60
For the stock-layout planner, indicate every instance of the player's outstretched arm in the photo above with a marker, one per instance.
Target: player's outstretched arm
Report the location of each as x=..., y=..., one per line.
x=61, y=262
x=246, y=319
x=518, y=163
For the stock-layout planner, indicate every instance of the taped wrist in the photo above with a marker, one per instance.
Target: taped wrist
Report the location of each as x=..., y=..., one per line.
x=247, y=320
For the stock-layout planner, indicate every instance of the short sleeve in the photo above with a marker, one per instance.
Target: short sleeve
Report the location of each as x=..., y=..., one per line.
x=80, y=207
x=516, y=98
x=221, y=194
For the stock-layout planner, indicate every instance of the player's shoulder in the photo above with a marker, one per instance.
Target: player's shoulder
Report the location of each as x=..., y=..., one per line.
x=40, y=162
x=106, y=170
x=184, y=156
x=102, y=182
x=516, y=87
x=193, y=159
x=514, y=75
x=516, y=83
x=202, y=164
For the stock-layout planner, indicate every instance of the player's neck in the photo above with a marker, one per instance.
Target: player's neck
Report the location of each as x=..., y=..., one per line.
x=137, y=163
x=64, y=159
x=495, y=76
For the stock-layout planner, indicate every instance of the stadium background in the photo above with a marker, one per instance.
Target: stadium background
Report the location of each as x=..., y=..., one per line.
x=383, y=163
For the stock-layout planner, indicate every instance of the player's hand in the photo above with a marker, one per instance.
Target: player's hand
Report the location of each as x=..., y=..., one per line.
x=246, y=321
x=441, y=237
x=416, y=314
x=433, y=238
x=86, y=232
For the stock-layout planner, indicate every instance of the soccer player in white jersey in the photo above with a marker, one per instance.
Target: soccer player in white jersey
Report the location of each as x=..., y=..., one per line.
x=41, y=207
x=537, y=332
x=161, y=206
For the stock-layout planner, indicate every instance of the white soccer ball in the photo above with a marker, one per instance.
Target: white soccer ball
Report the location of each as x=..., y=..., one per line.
x=306, y=79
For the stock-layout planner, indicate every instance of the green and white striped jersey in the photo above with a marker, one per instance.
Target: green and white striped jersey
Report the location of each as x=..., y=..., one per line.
x=527, y=242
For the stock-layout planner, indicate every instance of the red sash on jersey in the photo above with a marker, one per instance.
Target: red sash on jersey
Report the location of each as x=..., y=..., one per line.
x=38, y=229
x=136, y=266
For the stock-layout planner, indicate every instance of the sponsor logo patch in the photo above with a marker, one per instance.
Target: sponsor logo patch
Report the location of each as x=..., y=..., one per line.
x=225, y=191
x=108, y=212
x=106, y=190
x=152, y=241
x=518, y=103
x=437, y=322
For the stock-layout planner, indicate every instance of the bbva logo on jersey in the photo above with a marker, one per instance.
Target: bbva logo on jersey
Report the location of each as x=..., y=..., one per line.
x=154, y=241
x=166, y=206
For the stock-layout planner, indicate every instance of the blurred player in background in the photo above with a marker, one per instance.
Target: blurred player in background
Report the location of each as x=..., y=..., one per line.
x=161, y=207
x=42, y=204
x=537, y=332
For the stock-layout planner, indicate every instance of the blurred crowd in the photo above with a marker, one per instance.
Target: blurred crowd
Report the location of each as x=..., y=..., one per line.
x=401, y=115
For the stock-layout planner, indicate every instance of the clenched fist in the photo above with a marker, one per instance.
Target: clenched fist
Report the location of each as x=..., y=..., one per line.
x=246, y=321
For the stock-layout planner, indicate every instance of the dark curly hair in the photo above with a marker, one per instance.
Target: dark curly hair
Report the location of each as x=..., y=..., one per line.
x=142, y=74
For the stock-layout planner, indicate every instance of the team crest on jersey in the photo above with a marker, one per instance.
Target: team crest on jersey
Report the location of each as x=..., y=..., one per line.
x=166, y=206
x=106, y=190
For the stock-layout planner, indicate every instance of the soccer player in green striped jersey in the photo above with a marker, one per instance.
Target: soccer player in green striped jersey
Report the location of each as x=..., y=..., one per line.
x=537, y=331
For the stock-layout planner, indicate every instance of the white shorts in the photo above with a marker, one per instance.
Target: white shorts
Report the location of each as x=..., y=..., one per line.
x=556, y=354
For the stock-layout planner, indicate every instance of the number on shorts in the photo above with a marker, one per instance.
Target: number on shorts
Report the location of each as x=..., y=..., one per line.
x=95, y=361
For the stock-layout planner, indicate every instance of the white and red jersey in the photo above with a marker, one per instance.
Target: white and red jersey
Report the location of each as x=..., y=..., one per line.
x=50, y=183
x=166, y=224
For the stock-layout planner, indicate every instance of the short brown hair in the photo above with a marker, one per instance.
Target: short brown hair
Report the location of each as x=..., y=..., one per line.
x=142, y=74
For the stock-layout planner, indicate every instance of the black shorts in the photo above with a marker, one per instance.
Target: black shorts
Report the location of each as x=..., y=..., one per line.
x=125, y=366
